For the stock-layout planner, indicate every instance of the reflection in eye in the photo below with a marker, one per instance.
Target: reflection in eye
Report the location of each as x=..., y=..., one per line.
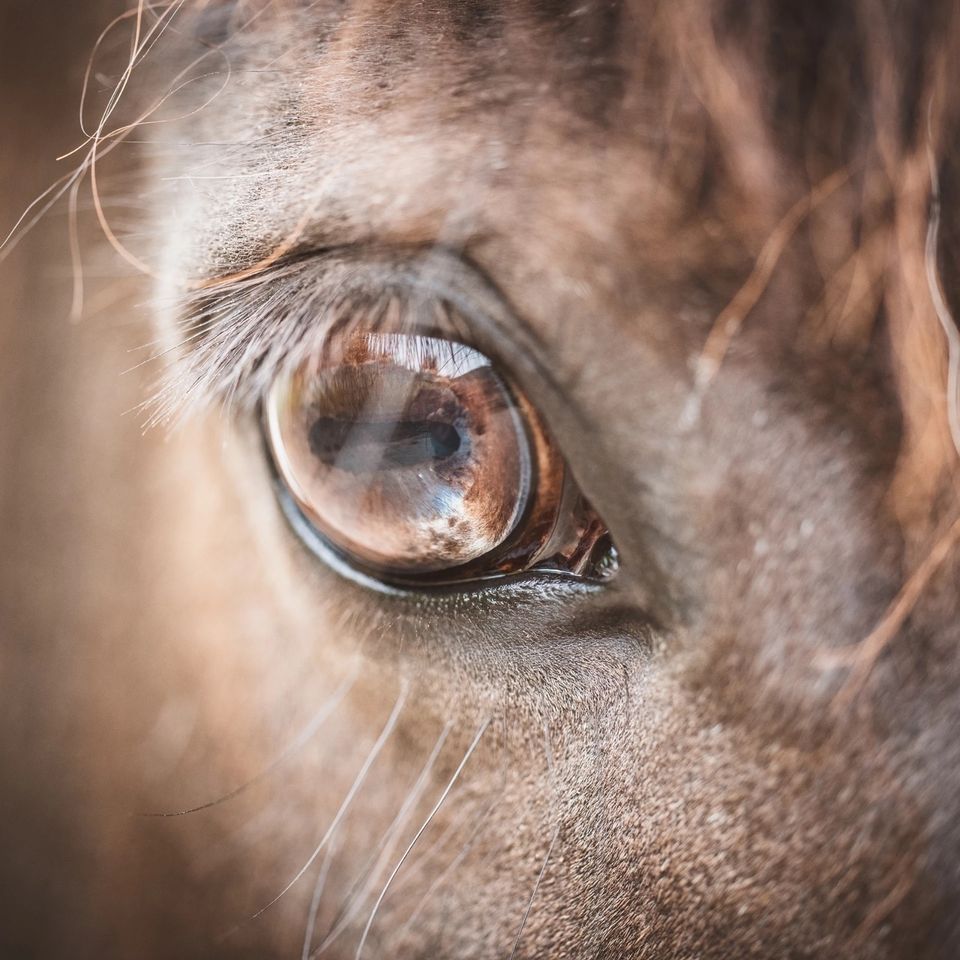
x=414, y=460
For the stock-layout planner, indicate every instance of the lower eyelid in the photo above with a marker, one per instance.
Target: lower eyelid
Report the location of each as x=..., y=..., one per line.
x=530, y=583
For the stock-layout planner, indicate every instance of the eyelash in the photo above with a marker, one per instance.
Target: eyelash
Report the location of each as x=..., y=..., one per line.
x=238, y=337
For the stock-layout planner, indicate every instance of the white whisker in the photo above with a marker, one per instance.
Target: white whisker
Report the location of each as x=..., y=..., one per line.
x=450, y=867
x=295, y=745
x=548, y=854
x=355, y=899
x=315, y=899
x=443, y=796
x=351, y=793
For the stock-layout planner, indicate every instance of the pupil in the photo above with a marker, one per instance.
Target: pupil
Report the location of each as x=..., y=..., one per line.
x=366, y=445
x=445, y=439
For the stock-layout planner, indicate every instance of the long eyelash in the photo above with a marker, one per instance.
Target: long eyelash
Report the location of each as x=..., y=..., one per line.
x=237, y=338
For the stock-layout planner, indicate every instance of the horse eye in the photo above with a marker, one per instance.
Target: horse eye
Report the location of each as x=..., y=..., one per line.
x=415, y=461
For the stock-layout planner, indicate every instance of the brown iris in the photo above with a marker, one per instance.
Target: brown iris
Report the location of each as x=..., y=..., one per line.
x=416, y=461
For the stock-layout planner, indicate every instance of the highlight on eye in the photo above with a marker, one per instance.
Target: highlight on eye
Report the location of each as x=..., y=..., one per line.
x=414, y=460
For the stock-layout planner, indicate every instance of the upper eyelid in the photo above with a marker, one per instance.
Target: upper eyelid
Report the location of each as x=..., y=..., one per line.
x=240, y=333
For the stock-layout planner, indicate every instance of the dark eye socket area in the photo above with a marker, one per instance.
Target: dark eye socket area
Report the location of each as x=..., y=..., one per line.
x=417, y=463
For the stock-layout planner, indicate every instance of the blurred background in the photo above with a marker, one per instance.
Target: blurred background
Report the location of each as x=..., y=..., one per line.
x=66, y=488
x=119, y=666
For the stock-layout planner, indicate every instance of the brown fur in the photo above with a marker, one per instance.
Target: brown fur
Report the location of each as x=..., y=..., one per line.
x=697, y=233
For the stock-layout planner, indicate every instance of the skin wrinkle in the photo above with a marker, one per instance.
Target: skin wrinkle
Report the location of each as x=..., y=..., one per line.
x=589, y=185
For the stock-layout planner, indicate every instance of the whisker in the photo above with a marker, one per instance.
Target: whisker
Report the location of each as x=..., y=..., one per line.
x=456, y=821
x=87, y=75
x=548, y=854
x=315, y=899
x=354, y=899
x=419, y=864
x=76, y=256
x=295, y=745
x=45, y=201
x=426, y=823
x=450, y=867
x=536, y=887
x=341, y=812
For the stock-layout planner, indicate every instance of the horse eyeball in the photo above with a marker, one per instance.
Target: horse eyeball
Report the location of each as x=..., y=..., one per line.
x=416, y=461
